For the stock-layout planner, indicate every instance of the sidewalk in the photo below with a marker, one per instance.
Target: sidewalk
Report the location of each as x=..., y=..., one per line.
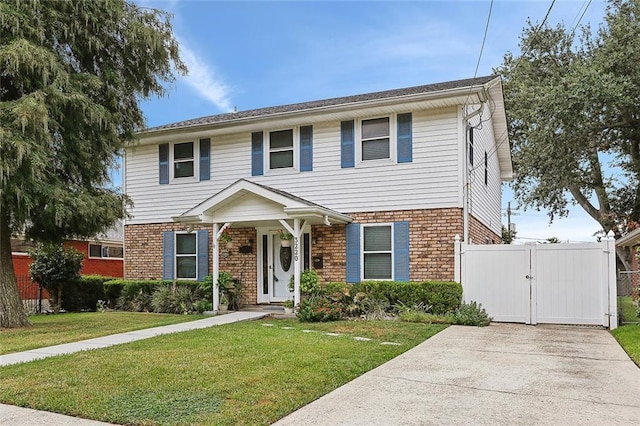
x=131, y=336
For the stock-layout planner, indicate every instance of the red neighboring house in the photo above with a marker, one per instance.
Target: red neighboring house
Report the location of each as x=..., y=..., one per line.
x=103, y=255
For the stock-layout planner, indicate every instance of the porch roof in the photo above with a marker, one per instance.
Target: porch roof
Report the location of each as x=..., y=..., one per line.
x=252, y=204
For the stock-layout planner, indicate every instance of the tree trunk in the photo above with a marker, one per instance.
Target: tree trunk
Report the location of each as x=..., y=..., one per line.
x=625, y=254
x=12, y=314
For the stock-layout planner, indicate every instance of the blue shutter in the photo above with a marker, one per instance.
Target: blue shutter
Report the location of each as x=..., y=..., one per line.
x=163, y=163
x=168, y=256
x=257, y=160
x=405, y=149
x=401, y=251
x=205, y=159
x=353, y=253
x=306, y=148
x=203, y=254
x=347, y=144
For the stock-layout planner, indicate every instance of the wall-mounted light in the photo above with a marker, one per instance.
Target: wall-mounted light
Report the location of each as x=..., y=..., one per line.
x=189, y=229
x=314, y=241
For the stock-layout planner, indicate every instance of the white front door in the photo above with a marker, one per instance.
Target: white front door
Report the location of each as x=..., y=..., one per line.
x=281, y=268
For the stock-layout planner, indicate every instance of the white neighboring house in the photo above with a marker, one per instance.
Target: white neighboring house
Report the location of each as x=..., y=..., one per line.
x=372, y=187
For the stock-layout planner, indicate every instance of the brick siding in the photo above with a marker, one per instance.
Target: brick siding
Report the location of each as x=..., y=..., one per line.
x=431, y=242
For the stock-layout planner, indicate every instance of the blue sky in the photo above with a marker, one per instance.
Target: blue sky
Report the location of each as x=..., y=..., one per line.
x=252, y=54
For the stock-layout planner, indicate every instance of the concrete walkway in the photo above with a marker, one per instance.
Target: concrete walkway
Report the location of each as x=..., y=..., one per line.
x=131, y=336
x=504, y=374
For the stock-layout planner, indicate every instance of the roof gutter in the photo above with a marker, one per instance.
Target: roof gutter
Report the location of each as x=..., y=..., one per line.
x=440, y=94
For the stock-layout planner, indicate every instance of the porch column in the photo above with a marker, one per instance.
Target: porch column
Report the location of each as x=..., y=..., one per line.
x=296, y=261
x=217, y=231
x=215, y=267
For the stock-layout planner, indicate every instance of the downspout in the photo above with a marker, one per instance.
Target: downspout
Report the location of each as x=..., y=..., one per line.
x=465, y=176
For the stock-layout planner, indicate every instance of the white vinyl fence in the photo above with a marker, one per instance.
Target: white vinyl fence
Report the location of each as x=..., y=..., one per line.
x=546, y=283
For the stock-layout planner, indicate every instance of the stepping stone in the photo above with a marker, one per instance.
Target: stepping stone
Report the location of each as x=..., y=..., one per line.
x=361, y=339
x=267, y=325
x=333, y=334
x=391, y=344
x=288, y=328
x=308, y=331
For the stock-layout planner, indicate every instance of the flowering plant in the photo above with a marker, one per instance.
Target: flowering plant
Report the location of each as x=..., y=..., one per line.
x=226, y=236
x=284, y=235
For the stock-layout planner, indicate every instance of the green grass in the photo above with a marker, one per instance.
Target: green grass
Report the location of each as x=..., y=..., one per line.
x=49, y=330
x=242, y=373
x=629, y=338
x=628, y=310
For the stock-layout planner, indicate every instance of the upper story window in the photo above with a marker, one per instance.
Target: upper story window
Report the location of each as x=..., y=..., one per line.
x=105, y=251
x=371, y=141
x=183, y=160
x=376, y=139
x=281, y=148
x=377, y=252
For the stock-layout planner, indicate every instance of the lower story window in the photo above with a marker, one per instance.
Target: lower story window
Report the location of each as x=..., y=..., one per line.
x=377, y=252
x=186, y=257
x=103, y=251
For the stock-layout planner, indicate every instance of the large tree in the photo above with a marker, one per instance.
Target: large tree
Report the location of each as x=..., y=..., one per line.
x=573, y=105
x=71, y=77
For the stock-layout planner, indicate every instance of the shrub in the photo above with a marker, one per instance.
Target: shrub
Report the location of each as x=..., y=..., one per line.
x=471, y=314
x=175, y=300
x=135, y=295
x=319, y=309
x=55, y=268
x=443, y=297
x=309, y=283
x=84, y=293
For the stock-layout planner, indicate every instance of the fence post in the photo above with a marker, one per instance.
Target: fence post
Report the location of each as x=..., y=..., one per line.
x=612, y=281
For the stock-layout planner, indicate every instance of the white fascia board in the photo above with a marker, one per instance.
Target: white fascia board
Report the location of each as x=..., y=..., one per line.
x=318, y=212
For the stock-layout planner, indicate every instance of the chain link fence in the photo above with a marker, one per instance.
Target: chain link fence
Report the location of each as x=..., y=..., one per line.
x=628, y=283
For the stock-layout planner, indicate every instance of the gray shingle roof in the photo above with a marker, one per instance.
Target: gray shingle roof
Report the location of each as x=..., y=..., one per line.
x=345, y=100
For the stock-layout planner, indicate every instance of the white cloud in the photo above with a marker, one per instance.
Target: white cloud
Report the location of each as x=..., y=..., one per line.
x=203, y=79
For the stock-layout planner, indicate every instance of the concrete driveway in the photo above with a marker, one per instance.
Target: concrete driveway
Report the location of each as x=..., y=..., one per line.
x=501, y=374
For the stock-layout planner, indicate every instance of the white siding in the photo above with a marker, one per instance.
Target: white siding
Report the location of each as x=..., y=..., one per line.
x=486, y=200
x=430, y=181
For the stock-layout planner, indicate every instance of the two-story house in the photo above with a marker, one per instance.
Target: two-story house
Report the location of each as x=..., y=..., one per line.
x=372, y=187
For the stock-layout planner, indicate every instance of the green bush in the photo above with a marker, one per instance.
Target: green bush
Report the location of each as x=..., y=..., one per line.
x=309, y=283
x=443, y=297
x=136, y=295
x=319, y=309
x=175, y=300
x=471, y=314
x=84, y=293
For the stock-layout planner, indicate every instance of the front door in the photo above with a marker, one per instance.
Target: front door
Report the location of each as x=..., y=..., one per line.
x=281, y=268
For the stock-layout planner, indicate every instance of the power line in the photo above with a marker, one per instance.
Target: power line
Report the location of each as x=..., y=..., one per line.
x=546, y=16
x=587, y=3
x=484, y=39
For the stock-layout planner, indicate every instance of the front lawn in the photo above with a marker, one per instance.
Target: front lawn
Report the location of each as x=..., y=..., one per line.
x=49, y=330
x=629, y=338
x=243, y=373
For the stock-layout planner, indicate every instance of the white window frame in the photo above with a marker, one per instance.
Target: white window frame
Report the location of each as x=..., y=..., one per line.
x=195, y=159
x=176, y=255
x=362, y=252
x=393, y=141
x=102, y=246
x=266, y=143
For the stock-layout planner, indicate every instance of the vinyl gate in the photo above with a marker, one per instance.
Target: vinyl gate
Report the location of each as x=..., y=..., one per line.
x=548, y=283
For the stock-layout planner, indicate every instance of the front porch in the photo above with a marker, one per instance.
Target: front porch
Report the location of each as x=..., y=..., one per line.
x=255, y=217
